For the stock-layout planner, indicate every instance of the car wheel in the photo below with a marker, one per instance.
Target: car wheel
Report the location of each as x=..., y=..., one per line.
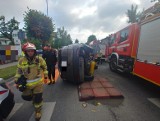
x=81, y=69
x=113, y=64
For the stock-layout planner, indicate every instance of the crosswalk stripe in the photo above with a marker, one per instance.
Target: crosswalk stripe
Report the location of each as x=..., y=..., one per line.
x=47, y=111
x=15, y=108
x=155, y=101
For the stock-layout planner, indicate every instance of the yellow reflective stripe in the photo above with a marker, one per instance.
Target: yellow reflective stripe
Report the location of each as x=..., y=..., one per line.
x=24, y=62
x=26, y=66
x=38, y=105
x=34, y=83
x=22, y=66
x=45, y=72
x=33, y=65
x=33, y=80
x=17, y=75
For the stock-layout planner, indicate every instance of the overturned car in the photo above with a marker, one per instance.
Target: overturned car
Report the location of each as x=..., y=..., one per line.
x=75, y=63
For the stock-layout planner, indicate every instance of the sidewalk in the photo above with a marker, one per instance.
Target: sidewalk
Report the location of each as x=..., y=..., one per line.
x=8, y=65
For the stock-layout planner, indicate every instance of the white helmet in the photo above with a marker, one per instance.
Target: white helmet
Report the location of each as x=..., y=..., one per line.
x=29, y=46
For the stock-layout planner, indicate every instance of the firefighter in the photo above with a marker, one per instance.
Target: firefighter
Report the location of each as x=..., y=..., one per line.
x=51, y=59
x=30, y=66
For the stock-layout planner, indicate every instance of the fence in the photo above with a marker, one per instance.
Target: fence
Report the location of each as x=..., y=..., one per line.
x=8, y=53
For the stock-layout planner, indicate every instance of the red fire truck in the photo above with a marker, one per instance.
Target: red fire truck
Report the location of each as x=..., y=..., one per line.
x=136, y=48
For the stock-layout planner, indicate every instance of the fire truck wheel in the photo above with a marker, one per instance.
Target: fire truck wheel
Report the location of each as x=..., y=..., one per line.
x=113, y=64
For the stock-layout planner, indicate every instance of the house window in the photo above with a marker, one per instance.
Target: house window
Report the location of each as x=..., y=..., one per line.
x=124, y=35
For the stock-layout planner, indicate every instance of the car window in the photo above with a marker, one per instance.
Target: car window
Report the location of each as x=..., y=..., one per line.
x=124, y=35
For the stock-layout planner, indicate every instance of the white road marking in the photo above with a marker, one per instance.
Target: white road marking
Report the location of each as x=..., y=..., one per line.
x=155, y=101
x=47, y=111
x=15, y=108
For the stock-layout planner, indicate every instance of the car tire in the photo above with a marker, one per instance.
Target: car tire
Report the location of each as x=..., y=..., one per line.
x=81, y=69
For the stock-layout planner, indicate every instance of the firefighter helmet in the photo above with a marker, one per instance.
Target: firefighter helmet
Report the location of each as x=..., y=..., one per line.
x=28, y=46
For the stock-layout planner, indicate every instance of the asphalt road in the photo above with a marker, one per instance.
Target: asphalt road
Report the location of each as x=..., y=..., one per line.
x=141, y=101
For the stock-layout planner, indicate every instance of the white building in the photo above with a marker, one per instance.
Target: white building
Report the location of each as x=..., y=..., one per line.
x=17, y=41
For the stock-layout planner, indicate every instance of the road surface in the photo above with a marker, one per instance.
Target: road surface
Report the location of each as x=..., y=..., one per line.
x=141, y=101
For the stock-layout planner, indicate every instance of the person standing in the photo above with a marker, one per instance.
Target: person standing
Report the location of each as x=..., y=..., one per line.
x=51, y=59
x=28, y=77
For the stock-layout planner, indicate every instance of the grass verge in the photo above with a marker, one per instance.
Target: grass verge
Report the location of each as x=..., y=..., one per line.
x=8, y=72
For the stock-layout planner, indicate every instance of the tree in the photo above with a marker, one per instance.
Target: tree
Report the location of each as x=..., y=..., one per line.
x=62, y=38
x=133, y=15
x=6, y=28
x=76, y=41
x=91, y=38
x=38, y=26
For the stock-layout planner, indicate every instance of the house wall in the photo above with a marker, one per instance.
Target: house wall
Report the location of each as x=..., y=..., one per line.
x=8, y=53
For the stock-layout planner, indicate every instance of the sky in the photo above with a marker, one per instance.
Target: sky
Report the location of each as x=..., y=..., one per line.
x=80, y=18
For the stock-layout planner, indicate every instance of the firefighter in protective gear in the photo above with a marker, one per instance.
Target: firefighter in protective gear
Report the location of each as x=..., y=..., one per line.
x=31, y=66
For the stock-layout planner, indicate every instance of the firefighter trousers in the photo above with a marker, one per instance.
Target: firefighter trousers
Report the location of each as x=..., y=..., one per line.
x=34, y=94
x=51, y=71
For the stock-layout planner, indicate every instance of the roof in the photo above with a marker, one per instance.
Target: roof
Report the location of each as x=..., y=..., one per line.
x=4, y=39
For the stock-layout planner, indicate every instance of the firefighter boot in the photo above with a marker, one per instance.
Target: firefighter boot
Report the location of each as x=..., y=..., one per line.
x=50, y=82
x=53, y=81
x=38, y=114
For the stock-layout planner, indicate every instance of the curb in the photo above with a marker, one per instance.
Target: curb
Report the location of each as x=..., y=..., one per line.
x=9, y=79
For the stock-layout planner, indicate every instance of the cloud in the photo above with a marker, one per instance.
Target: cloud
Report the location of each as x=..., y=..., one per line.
x=81, y=18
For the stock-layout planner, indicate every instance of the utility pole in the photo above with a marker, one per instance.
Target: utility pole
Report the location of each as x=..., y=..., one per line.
x=47, y=6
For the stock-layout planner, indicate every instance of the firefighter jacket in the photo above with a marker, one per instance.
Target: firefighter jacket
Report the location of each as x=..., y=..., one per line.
x=31, y=70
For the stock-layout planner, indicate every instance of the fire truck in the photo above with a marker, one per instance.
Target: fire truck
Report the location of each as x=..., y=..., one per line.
x=136, y=48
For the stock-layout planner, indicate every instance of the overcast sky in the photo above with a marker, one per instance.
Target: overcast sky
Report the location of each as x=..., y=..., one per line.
x=80, y=18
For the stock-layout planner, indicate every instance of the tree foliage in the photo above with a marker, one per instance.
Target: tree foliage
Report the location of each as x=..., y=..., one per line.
x=76, y=41
x=62, y=38
x=38, y=26
x=133, y=15
x=91, y=38
x=6, y=28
